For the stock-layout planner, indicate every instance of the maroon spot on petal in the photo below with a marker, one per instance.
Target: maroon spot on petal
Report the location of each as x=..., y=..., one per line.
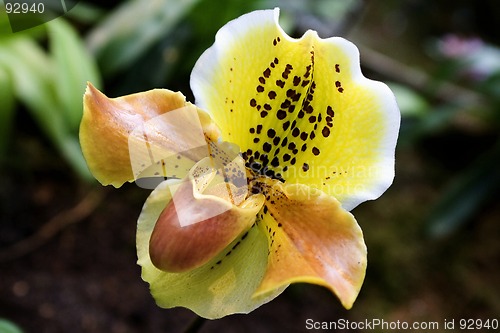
x=325, y=132
x=286, y=124
x=296, y=80
x=330, y=111
x=253, y=102
x=315, y=151
x=280, y=83
x=281, y=114
x=284, y=142
x=286, y=104
x=296, y=97
x=272, y=94
x=305, y=166
x=260, y=89
x=267, y=73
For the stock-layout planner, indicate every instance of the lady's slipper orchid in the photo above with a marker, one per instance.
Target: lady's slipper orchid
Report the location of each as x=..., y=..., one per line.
x=257, y=187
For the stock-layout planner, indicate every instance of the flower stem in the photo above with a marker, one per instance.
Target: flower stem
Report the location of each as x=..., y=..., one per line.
x=195, y=325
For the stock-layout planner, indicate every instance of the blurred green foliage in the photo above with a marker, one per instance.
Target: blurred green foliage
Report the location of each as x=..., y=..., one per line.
x=49, y=82
x=7, y=326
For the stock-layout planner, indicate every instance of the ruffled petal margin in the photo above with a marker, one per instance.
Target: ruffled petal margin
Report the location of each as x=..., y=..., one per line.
x=312, y=239
x=301, y=109
x=149, y=134
x=224, y=285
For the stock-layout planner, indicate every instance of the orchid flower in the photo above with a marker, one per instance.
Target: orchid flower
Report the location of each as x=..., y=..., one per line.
x=254, y=183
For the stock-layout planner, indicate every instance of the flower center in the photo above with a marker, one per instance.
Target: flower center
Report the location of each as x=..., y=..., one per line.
x=261, y=167
x=258, y=183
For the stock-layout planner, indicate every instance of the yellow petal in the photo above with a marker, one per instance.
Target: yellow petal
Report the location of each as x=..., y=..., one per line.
x=312, y=239
x=194, y=227
x=222, y=286
x=300, y=109
x=136, y=135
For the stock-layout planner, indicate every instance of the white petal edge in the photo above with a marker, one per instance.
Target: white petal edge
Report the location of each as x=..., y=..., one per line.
x=229, y=34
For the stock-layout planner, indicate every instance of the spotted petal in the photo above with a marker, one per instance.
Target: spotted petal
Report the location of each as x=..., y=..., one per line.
x=312, y=239
x=153, y=133
x=223, y=286
x=300, y=109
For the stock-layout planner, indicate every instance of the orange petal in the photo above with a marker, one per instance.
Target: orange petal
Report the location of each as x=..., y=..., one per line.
x=194, y=227
x=109, y=127
x=312, y=239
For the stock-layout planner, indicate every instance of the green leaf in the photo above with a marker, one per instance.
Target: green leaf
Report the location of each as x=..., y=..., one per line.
x=7, y=108
x=31, y=72
x=32, y=76
x=73, y=67
x=7, y=326
x=132, y=29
